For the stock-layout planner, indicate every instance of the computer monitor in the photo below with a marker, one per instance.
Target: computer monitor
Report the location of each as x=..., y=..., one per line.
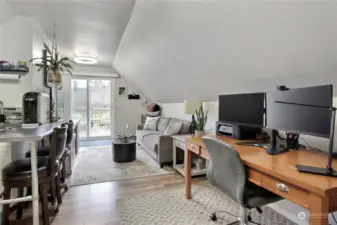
x=242, y=109
x=301, y=110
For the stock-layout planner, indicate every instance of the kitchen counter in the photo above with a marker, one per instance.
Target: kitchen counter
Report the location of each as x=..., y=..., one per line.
x=19, y=134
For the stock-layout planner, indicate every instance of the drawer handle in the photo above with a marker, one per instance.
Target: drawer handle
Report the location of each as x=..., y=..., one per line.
x=282, y=187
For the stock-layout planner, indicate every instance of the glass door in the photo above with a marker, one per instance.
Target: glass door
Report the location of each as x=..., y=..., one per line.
x=79, y=105
x=91, y=103
x=100, y=108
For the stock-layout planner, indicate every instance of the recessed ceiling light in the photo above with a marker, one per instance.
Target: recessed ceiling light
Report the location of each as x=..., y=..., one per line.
x=85, y=59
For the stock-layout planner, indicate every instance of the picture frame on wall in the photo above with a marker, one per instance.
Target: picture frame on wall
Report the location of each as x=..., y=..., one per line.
x=122, y=91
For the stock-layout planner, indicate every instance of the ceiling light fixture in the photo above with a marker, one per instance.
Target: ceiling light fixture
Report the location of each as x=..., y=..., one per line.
x=85, y=59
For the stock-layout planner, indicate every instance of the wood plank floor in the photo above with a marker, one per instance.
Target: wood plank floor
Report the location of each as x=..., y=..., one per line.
x=95, y=204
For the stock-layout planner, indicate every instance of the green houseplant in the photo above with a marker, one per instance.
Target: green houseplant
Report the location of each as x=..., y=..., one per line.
x=54, y=65
x=201, y=120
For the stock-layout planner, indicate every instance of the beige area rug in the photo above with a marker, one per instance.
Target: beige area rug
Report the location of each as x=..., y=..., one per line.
x=171, y=208
x=95, y=165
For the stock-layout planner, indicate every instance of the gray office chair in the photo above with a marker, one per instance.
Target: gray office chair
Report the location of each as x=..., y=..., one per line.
x=227, y=172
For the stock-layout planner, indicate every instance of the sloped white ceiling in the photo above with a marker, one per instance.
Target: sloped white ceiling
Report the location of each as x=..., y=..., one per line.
x=6, y=11
x=82, y=26
x=173, y=50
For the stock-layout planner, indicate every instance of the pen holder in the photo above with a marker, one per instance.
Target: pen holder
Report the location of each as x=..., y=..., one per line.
x=292, y=144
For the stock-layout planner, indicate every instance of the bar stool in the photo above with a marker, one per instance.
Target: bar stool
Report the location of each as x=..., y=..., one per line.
x=17, y=174
x=64, y=161
x=66, y=158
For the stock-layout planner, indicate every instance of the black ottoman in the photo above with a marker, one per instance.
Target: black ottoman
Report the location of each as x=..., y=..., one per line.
x=124, y=151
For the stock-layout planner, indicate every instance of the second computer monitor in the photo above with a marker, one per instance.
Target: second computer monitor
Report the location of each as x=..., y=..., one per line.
x=242, y=109
x=301, y=110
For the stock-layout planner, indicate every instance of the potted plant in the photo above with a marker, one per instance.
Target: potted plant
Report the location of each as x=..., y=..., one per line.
x=201, y=120
x=55, y=66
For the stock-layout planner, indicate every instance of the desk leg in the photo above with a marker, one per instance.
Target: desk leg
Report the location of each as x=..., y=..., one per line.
x=188, y=164
x=319, y=210
x=35, y=182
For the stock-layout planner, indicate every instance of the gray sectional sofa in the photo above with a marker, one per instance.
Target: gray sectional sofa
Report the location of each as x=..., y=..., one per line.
x=158, y=145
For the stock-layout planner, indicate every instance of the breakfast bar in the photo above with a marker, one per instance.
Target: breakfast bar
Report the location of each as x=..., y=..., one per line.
x=32, y=136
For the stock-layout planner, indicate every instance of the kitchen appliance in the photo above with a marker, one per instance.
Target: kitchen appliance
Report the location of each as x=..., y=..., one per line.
x=35, y=109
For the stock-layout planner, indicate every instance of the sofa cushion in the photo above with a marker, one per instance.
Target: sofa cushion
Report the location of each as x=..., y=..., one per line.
x=185, y=129
x=173, y=129
x=151, y=123
x=162, y=124
x=141, y=133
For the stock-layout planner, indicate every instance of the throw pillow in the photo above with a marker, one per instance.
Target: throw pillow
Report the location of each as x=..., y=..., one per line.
x=151, y=123
x=173, y=129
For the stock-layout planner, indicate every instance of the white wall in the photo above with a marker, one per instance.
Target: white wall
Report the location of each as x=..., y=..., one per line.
x=6, y=11
x=15, y=44
x=127, y=112
x=39, y=37
x=174, y=50
x=21, y=39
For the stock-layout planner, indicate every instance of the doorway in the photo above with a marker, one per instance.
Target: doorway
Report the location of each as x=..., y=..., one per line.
x=92, y=104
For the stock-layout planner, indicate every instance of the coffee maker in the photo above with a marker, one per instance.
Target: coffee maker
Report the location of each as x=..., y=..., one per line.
x=35, y=108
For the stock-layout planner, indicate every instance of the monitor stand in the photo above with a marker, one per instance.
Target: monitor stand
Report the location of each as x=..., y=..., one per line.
x=273, y=148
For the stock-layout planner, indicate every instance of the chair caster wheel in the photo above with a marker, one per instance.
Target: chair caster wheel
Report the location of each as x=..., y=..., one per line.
x=259, y=210
x=249, y=218
x=213, y=217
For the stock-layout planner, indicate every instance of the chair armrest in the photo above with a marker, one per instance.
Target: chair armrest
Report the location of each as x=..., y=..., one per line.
x=165, y=148
x=140, y=126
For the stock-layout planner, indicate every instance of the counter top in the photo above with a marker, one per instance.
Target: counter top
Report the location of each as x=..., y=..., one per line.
x=35, y=134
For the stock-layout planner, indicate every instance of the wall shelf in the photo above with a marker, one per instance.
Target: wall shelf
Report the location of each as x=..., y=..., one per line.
x=16, y=72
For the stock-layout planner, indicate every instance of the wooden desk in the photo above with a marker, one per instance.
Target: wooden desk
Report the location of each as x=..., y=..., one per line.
x=316, y=193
